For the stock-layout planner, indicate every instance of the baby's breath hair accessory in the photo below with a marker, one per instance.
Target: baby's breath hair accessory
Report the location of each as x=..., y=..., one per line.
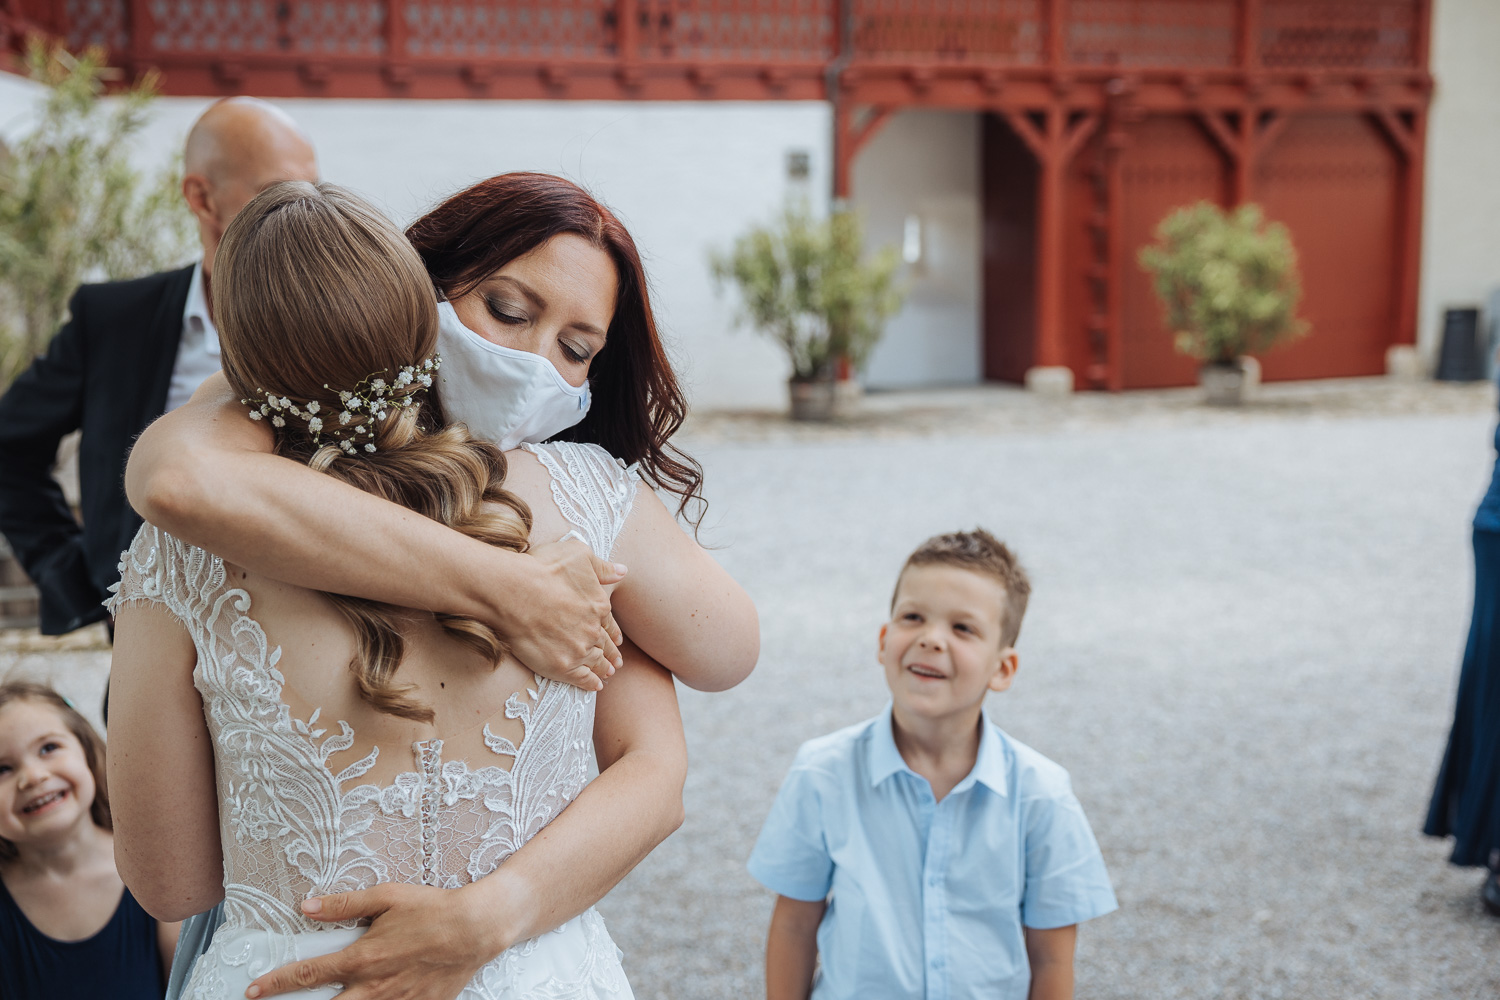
x=372, y=400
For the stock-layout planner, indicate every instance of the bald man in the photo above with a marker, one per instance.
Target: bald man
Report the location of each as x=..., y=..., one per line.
x=130, y=351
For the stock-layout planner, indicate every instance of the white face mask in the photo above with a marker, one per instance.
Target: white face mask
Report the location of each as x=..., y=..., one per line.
x=504, y=395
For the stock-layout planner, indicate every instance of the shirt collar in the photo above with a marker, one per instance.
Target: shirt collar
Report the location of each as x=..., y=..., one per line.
x=195, y=311
x=989, y=765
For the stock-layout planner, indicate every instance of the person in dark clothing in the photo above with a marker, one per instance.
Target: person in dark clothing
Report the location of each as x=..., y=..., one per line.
x=129, y=351
x=69, y=929
x=1466, y=799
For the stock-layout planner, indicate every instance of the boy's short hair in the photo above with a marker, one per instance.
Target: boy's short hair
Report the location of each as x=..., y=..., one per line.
x=979, y=552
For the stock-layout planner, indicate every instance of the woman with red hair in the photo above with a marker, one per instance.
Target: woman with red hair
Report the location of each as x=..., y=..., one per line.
x=547, y=334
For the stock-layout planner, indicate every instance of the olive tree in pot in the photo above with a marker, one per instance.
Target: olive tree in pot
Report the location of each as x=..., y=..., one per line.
x=73, y=208
x=809, y=285
x=1229, y=284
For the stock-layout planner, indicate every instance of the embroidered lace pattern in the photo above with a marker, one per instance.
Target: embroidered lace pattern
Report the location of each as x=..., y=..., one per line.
x=291, y=828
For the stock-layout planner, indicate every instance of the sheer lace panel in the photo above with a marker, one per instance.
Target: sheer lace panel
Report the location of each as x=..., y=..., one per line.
x=291, y=827
x=594, y=490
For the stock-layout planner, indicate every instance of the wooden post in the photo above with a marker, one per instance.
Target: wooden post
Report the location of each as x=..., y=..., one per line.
x=1054, y=147
x=138, y=14
x=1057, y=48
x=1422, y=34
x=849, y=137
x=1249, y=31
x=843, y=156
x=1049, y=259
x=395, y=32
x=1408, y=292
x=627, y=31
x=1114, y=316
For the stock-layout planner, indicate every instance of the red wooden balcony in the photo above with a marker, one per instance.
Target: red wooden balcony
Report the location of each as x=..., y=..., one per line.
x=939, y=50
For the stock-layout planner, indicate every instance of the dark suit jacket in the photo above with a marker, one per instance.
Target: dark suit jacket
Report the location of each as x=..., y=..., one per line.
x=106, y=372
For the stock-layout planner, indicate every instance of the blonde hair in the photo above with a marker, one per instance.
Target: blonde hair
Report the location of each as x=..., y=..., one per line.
x=980, y=552
x=313, y=288
x=87, y=736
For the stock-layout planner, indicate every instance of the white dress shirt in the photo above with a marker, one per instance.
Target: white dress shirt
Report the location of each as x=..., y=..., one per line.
x=198, y=351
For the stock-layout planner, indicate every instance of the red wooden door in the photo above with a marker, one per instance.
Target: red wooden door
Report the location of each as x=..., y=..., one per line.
x=1333, y=180
x=1170, y=162
x=1010, y=191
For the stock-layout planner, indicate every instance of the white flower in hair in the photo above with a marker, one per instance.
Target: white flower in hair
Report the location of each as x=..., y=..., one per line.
x=373, y=395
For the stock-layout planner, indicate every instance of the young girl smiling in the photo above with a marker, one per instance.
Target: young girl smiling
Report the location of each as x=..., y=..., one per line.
x=68, y=926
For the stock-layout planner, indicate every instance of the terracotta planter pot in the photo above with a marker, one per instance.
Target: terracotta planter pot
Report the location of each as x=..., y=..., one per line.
x=812, y=399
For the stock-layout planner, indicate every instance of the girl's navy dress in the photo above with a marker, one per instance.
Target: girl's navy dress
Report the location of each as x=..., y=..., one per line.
x=121, y=962
x=1466, y=801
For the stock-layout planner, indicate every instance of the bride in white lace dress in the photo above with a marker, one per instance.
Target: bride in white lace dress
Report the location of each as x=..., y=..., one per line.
x=352, y=743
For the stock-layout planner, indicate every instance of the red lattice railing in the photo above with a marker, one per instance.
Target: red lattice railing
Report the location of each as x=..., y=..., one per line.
x=562, y=29
x=96, y=22
x=738, y=30
x=1352, y=34
x=1196, y=33
x=954, y=31
x=641, y=42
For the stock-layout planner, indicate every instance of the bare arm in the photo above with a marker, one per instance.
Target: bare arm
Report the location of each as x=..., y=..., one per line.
x=166, y=944
x=430, y=942
x=161, y=769
x=206, y=474
x=680, y=605
x=792, y=948
x=1050, y=953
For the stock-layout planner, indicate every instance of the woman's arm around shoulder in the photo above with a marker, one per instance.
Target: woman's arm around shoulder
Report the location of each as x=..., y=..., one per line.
x=679, y=605
x=205, y=473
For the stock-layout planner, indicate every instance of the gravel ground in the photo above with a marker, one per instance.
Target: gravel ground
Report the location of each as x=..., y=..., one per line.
x=1243, y=644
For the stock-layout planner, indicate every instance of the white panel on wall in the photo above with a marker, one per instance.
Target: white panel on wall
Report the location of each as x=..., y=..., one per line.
x=18, y=97
x=917, y=182
x=1461, y=220
x=684, y=177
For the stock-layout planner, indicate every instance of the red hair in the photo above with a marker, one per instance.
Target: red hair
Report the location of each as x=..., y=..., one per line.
x=637, y=402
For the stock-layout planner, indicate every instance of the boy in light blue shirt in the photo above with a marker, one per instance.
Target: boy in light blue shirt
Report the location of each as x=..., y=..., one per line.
x=924, y=853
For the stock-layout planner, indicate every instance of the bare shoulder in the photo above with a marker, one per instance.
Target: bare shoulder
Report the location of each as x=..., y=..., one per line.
x=528, y=478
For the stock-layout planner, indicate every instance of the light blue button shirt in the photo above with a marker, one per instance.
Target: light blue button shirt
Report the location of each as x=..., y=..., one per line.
x=927, y=898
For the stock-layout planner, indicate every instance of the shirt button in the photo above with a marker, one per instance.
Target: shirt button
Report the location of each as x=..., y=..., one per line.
x=934, y=879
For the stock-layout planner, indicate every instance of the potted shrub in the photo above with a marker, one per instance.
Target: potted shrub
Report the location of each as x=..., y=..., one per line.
x=74, y=209
x=1229, y=285
x=809, y=285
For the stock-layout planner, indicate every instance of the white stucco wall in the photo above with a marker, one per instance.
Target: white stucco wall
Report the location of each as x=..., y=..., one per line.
x=684, y=177
x=1461, y=218
x=926, y=164
x=17, y=99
